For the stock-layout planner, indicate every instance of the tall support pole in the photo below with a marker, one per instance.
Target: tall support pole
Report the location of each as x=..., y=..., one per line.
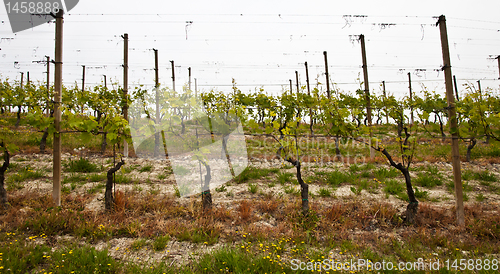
x=56, y=176
x=157, y=100
x=173, y=75
x=411, y=98
x=22, y=80
x=479, y=88
x=457, y=175
x=309, y=93
x=105, y=81
x=189, y=80
x=48, y=72
x=327, y=75
x=125, y=87
x=291, y=87
x=48, y=83
x=498, y=59
x=83, y=88
x=195, y=88
x=385, y=99
x=367, y=93
x=456, y=87
x=27, y=77
x=297, y=83
x=307, y=79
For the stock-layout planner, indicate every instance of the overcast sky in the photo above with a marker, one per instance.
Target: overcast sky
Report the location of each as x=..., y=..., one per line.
x=263, y=43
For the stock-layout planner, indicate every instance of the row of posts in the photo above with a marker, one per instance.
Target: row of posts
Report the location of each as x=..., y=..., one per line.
x=449, y=95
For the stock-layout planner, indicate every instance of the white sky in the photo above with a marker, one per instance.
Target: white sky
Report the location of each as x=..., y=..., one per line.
x=263, y=43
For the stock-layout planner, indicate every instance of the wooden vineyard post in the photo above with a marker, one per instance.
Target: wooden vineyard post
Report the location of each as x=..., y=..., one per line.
x=173, y=75
x=411, y=98
x=189, y=81
x=498, y=59
x=48, y=83
x=457, y=174
x=385, y=99
x=309, y=93
x=125, y=87
x=307, y=79
x=367, y=93
x=479, y=88
x=157, y=102
x=456, y=87
x=327, y=75
x=195, y=88
x=297, y=83
x=56, y=184
x=83, y=87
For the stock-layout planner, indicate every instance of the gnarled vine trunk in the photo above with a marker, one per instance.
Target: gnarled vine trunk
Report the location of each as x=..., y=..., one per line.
x=109, y=200
x=43, y=141
x=206, y=196
x=471, y=145
x=104, y=142
x=3, y=168
x=304, y=187
x=412, y=208
x=18, y=121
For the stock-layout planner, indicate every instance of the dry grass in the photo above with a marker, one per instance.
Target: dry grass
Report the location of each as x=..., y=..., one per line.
x=267, y=206
x=353, y=224
x=245, y=210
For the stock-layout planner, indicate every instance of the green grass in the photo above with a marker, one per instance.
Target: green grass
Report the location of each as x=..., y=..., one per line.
x=139, y=243
x=383, y=173
x=162, y=176
x=16, y=180
x=485, y=176
x=233, y=260
x=22, y=257
x=252, y=173
x=95, y=177
x=147, y=168
x=467, y=175
x=365, y=174
x=288, y=189
x=441, y=151
x=393, y=187
x=128, y=169
x=181, y=171
x=161, y=242
x=221, y=188
x=324, y=192
x=354, y=168
x=81, y=165
x=177, y=192
x=285, y=177
x=433, y=170
x=252, y=188
x=336, y=178
x=199, y=235
x=123, y=179
x=96, y=188
x=423, y=195
x=428, y=180
x=356, y=190
x=74, y=178
x=466, y=187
